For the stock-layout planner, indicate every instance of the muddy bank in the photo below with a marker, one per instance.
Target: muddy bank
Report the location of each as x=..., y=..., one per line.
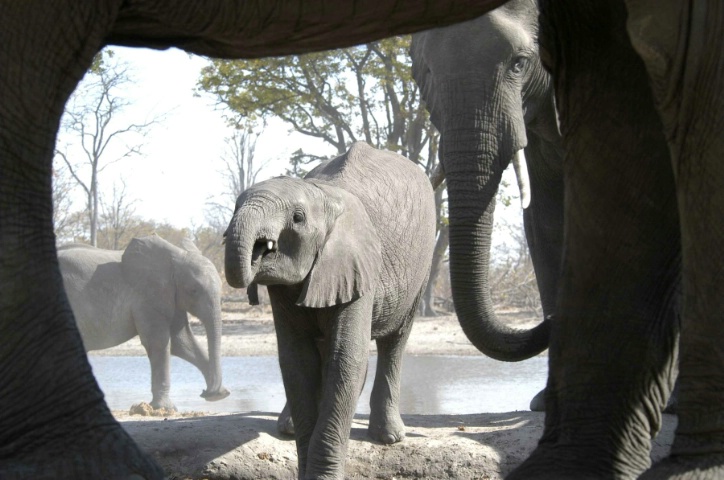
x=246, y=446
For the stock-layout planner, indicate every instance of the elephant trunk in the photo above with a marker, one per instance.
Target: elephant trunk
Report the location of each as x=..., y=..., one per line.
x=474, y=160
x=240, y=240
x=214, y=388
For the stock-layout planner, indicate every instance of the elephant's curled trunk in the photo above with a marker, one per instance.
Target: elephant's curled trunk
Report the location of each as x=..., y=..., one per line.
x=238, y=252
x=471, y=192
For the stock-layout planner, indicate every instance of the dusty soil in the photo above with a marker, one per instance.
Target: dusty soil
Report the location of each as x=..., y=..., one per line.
x=246, y=445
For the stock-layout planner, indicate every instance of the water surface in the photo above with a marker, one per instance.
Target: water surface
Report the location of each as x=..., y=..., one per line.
x=430, y=384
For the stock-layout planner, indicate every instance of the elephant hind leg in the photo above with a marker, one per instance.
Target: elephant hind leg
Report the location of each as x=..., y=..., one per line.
x=386, y=425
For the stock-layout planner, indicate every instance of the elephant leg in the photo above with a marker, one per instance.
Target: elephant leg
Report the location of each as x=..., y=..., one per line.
x=301, y=367
x=155, y=338
x=543, y=223
x=347, y=338
x=54, y=422
x=688, y=84
x=285, y=424
x=613, y=345
x=185, y=346
x=386, y=425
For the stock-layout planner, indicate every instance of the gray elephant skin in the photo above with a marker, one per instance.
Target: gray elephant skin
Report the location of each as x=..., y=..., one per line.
x=491, y=99
x=638, y=90
x=148, y=290
x=45, y=51
x=345, y=254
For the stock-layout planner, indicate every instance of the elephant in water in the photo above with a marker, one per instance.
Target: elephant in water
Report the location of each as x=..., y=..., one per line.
x=148, y=290
x=491, y=99
x=345, y=254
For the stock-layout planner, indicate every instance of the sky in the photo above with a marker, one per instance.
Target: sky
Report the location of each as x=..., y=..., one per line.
x=178, y=170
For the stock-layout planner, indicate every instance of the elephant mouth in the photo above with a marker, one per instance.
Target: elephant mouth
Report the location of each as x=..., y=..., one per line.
x=263, y=247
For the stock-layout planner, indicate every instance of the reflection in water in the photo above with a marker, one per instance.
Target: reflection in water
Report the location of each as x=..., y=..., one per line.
x=430, y=384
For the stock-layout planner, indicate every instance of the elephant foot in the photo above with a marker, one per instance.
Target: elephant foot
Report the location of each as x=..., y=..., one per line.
x=556, y=462
x=387, y=430
x=538, y=403
x=285, y=425
x=88, y=444
x=163, y=404
x=702, y=467
x=220, y=394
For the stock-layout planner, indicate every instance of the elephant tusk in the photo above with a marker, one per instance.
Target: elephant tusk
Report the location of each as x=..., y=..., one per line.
x=521, y=173
x=555, y=111
x=270, y=245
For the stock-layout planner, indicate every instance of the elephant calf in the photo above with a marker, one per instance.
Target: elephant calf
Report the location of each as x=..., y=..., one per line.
x=345, y=254
x=148, y=290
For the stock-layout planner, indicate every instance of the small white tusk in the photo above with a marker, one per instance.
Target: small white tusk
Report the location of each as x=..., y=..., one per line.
x=521, y=173
x=270, y=245
x=555, y=111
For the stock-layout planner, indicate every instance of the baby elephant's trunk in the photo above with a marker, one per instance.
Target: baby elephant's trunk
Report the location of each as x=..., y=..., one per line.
x=239, y=246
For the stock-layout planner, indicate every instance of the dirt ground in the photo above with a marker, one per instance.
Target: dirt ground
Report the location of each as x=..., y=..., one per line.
x=246, y=445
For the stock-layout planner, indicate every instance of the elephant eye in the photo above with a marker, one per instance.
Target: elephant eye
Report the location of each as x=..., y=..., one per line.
x=298, y=216
x=519, y=64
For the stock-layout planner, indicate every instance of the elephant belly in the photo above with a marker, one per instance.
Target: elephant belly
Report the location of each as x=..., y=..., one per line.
x=103, y=322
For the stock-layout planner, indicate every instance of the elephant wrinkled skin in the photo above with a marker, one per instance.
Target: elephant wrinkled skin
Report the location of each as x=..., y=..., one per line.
x=45, y=49
x=638, y=89
x=148, y=290
x=341, y=269
x=491, y=99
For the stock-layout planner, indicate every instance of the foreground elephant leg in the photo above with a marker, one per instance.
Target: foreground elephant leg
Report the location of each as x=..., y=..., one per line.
x=688, y=80
x=386, y=424
x=53, y=420
x=613, y=345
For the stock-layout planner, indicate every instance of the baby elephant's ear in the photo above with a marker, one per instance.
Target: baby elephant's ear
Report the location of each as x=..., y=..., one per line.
x=349, y=261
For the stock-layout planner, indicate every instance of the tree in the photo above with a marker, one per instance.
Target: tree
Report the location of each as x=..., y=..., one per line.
x=94, y=133
x=341, y=96
x=240, y=171
x=117, y=219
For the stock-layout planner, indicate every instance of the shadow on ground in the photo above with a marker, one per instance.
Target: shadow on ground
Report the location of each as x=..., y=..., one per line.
x=247, y=446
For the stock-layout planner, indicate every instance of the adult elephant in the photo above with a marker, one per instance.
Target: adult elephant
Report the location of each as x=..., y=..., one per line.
x=639, y=94
x=53, y=420
x=148, y=290
x=492, y=101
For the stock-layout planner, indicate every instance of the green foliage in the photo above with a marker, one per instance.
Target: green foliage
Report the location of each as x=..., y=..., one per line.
x=341, y=96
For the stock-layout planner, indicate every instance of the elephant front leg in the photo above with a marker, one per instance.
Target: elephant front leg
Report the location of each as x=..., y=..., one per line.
x=345, y=368
x=613, y=345
x=155, y=338
x=386, y=425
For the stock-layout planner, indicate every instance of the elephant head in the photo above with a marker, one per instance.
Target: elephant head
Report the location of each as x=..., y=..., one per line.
x=178, y=281
x=484, y=85
x=288, y=231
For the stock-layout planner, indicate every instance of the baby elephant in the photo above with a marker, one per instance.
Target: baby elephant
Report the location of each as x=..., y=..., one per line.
x=148, y=290
x=345, y=254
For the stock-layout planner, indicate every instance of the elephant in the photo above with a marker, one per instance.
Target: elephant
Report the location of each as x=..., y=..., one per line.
x=148, y=290
x=638, y=94
x=341, y=269
x=45, y=52
x=491, y=100
x=637, y=89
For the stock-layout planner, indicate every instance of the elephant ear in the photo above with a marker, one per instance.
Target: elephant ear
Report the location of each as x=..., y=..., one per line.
x=147, y=265
x=349, y=261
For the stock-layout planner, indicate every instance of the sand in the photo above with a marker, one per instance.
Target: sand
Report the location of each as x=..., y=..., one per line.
x=246, y=445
